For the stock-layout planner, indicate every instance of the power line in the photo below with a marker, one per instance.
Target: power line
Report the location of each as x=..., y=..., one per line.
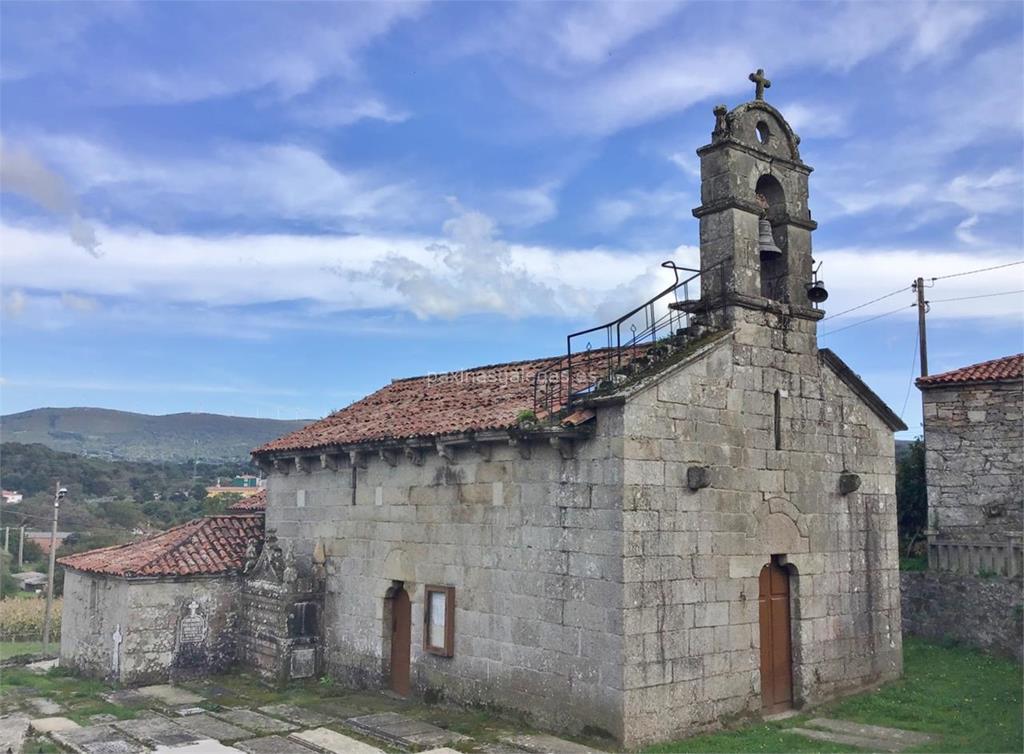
x=866, y=303
x=869, y=319
x=974, y=272
x=969, y=298
x=910, y=385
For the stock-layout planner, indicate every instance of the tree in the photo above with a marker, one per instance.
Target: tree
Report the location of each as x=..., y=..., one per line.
x=911, y=492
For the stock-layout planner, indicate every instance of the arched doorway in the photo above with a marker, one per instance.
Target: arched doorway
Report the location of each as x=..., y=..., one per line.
x=776, y=643
x=400, y=610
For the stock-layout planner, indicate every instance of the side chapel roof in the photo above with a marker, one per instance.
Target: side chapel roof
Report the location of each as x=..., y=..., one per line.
x=202, y=547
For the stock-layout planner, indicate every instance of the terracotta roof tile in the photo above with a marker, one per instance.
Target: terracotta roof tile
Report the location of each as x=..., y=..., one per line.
x=1006, y=368
x=482, y=398
x=252, y=504
x=203, y=546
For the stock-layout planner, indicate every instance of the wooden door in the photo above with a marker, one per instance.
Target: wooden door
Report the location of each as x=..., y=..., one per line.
x=401, y=641
x=776, y=651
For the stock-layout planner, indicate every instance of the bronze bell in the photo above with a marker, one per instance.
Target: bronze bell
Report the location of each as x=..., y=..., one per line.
x=816, y=292
x=765, y=240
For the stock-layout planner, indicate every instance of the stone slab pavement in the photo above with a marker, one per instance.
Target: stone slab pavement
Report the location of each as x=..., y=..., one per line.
x=98, y=739
x=13, y=730
x=327, y=741
x=540, y=743
x=273, y=745
x=207, y=726
x=51, y=724
x=170, y=695
x=126, y=698
x=42, y=666
x=255, y=721
x=871, y=737
x=402, y=731
x=303, y=717
x=44, y=706
x=199, y=747
x=156, y=731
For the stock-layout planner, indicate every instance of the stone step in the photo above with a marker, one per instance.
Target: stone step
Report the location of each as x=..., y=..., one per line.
x=403, y=732
x=909, y=737
x=329, y=741
x=541, y=743
x=861, y=742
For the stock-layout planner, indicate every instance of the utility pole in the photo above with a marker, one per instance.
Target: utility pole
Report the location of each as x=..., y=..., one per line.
x=21, y=547
x=58, y=495
x=922, y=330
x=7, y=539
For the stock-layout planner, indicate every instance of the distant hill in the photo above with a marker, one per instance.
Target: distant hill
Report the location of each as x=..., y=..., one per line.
x=141, y=437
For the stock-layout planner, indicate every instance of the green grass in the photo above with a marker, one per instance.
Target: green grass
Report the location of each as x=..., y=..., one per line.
x=9, y=649
x=971, y=702
x=80, y=697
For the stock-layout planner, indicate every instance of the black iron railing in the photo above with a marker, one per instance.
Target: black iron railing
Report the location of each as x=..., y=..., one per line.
x=631, y=342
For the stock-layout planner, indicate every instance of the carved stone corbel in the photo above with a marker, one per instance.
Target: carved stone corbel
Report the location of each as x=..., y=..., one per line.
x=521, y=445
x=415, y=455
x=329, y=461
x=564, y=445
x=283, y=465
x=357, y=458
x=388, y=456
x=483, y=448
x=302, y=464
x=446, y=451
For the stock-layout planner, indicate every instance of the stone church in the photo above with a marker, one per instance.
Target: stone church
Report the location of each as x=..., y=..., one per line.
x=686, y=517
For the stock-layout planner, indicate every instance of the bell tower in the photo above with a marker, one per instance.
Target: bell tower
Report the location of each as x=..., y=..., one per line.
x=755, y=226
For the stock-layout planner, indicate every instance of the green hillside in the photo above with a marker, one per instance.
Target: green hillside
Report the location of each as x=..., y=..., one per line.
x=140, y=437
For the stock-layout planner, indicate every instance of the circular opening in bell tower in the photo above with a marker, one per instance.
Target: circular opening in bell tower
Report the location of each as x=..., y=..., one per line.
x=763, y=134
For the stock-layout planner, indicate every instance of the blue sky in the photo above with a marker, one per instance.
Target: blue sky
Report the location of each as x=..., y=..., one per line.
x=273, y=209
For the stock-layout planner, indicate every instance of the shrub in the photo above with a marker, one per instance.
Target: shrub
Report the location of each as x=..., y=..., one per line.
x=22, y=619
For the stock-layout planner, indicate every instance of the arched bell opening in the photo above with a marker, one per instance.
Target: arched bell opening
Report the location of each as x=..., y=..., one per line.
x=772, y=243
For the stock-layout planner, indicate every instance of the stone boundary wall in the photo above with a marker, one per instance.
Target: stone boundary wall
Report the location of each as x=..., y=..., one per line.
x=985, y=613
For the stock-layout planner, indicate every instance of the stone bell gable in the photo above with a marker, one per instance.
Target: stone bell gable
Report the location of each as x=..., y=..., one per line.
x=694, y=522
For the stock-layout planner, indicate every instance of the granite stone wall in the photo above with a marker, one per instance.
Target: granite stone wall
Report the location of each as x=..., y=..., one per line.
x=693, y=557
x=980, y=612
x=533, y=546
x=161, y=636
x=974, y=457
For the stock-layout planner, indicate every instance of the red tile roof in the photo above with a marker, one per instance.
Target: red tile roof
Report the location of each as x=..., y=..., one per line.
x=204, y=546
x=1006, y=368
x=482, y=398
x=255, y=503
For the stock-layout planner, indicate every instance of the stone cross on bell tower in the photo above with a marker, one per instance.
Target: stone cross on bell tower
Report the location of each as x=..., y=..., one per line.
x=760, y=82
x=755, y=225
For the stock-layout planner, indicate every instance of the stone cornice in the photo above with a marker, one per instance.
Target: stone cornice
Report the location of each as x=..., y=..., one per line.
x=732, y=202
x=729, y=142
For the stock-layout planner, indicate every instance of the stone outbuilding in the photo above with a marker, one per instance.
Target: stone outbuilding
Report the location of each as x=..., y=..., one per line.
x=974, y=463
x=693, y=523
x=160, y=608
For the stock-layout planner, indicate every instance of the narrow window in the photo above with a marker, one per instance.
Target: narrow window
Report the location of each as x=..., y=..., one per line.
x=439, y=620
x=778, y=420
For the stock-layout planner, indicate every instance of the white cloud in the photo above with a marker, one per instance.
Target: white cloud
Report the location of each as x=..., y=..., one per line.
x=22, y=174
x=815, y=120
x=469, y=268
x=14, y=303
x=524, y=207
x=856, y=275
x=664, y=204
x=77, y=303
x=262, y=182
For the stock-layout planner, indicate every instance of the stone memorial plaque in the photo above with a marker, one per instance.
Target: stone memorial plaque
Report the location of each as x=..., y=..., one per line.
x=192, y=628
x=303, y=663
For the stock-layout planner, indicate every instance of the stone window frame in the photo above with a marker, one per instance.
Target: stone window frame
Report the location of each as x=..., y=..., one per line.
x=448, y=648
